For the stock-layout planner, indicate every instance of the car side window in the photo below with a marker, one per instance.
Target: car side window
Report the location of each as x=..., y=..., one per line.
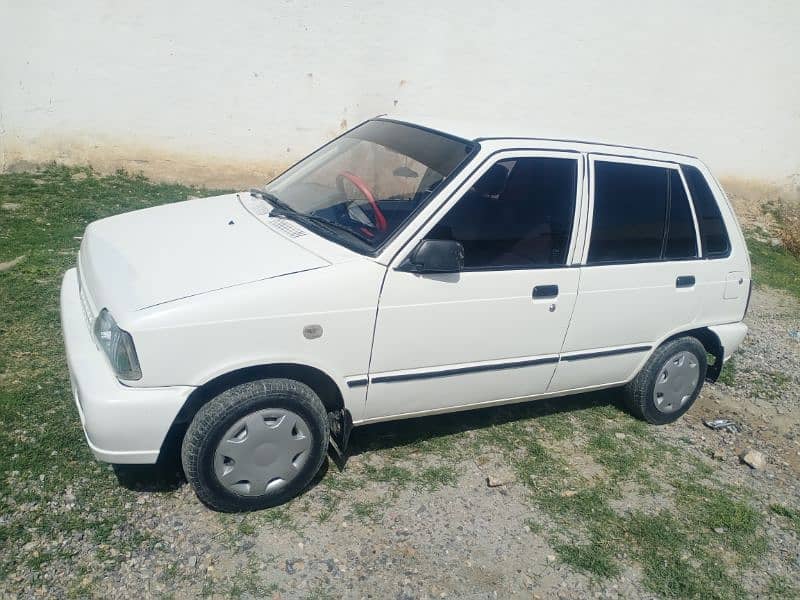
x=630, y=205
x=641, y=214
x=519, y=214
x=713, y=234
x=681, y=236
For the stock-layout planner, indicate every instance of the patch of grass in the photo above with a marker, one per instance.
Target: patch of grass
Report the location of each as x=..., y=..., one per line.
x=622, y=457
x=711, y=509
x=594, y=558
x=780, y=587
x=41, y=436
x=368, y=510
x=775, y=267
x=675, y=565
x=330, y=503
x=793, y=516
x=533, y=525
x=678, y=550
x=247, y=581
x=392, y=474
x=728, y=373
x=433, y=478
x=769, y=385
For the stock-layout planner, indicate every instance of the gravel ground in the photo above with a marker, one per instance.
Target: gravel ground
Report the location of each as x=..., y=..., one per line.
x=432, y=531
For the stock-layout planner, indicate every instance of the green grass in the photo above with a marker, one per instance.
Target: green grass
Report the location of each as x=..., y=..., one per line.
x=780, y=588
x=792, y=516
x=774, y=266
x=368, y=510
x=728, y=373
x=40, y=433
x=591, y=558
x=676, y=544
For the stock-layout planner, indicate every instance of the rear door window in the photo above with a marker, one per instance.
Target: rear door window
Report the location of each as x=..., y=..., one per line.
x=630, y=207
x=713, y=234
x=641, y=214
x=681, y=234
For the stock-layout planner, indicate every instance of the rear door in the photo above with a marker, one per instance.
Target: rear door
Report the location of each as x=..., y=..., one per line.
x=640, y=275
x=493, y=331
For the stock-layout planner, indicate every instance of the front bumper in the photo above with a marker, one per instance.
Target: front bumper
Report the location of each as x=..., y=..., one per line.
x=122, y=424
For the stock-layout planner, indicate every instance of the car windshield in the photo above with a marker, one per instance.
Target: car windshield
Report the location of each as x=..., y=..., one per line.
x=362, y=187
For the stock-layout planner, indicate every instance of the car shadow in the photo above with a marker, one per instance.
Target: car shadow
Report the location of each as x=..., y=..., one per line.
x=394, y=434
x=167, y=474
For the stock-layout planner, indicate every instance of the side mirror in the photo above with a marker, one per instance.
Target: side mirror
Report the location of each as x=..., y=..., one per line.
x=435, y=256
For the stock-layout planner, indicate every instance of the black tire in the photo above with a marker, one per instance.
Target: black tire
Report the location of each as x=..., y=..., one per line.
x=640, y=391
x=217, y=416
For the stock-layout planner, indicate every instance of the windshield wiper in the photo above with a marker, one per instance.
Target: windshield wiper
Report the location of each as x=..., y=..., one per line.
x=272, y=199
x=298, y=216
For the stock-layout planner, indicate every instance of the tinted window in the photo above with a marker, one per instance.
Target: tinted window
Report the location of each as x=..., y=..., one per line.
x=518, y=214
x=630, y=208
x=681, y=237
x=712, y=229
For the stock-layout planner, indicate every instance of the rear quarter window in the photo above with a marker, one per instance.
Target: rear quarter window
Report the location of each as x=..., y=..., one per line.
x=713, y=234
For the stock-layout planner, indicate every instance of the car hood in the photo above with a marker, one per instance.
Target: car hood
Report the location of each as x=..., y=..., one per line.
x=152, y=256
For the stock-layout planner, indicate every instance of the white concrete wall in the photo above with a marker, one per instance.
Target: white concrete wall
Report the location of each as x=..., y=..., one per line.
x=253, y=85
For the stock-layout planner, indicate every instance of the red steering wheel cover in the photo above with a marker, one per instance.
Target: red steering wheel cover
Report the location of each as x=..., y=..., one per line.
x=380, y=220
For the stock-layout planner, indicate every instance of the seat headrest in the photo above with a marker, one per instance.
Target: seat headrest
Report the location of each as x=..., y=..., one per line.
x=493, y=181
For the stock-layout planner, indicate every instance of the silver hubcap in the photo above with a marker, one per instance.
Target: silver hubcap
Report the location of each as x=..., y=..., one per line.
x=676, y=382
x=262, y=452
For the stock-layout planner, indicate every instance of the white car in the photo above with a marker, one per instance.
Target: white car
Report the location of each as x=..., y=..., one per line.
x=397, y=271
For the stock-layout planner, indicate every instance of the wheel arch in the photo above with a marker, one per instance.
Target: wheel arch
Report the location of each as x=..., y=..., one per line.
x=323, y=385
x=711, y=343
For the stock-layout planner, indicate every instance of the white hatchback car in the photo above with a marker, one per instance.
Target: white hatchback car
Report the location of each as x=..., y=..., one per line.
x=397, y=271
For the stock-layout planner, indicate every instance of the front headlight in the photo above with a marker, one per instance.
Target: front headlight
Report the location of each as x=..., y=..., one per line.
x=118, y=346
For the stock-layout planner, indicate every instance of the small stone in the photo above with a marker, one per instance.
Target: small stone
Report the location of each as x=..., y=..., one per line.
x=551, y=558
x=719, y=530
x=192, y=562
x=292, y=566
x=754, y=459
x=493, y=482
x=619, y=435
x=11, y=205
x=568, y=493
x=718, y=455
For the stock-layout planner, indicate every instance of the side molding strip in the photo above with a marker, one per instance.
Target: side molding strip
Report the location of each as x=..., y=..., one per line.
x=600, y=353
x=362, y=381
x=358, y=382
x=462, y=370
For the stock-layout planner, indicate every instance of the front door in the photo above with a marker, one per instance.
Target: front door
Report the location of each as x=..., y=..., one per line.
x=493, y=331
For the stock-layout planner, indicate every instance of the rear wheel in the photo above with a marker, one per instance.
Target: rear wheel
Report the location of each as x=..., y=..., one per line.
x=669, y=382
x=256, y=445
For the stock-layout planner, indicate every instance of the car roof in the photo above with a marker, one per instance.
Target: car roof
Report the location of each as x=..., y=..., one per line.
x=478, y=130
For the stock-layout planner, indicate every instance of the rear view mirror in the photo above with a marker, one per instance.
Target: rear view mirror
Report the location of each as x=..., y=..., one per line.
x=435, y=256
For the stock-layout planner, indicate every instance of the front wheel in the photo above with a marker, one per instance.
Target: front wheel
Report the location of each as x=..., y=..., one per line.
x=256, y=445
x=669, y=382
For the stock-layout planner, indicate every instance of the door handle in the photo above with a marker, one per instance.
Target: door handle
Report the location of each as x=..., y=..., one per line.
x=684, y=281
x=545, y=291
